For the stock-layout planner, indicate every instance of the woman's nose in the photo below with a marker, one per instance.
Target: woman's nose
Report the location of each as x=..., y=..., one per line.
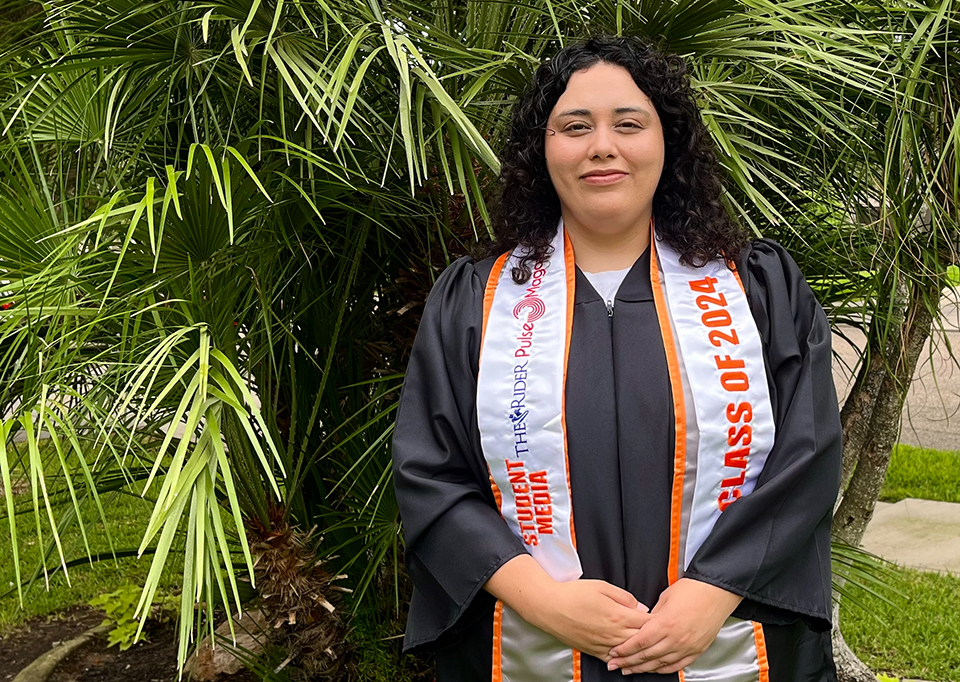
x=602, y=143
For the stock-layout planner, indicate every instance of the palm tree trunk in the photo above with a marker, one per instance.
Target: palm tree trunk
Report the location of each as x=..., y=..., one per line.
x=849, y=667
x=871, y=425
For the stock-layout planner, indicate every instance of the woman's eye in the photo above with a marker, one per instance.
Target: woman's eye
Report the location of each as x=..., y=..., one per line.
x=576, y=128
x=629, y=124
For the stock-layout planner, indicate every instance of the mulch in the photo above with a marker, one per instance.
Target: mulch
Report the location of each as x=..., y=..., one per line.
x=21, y=647
x=154, y=660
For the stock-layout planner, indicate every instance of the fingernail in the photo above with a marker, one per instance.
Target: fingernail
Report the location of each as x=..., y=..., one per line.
x=611, y=666
x=624, y=672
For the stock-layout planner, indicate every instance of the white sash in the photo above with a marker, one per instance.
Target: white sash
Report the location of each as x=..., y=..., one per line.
x=721, y=443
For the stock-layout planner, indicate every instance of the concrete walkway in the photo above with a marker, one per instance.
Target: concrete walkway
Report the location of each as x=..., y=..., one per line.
x=919, y=534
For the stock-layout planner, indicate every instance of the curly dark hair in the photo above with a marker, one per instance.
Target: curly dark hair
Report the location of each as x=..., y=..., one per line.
x=689, y=214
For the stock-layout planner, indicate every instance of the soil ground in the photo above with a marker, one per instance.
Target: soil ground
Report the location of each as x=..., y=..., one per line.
x=20, y=648
x=154, y=660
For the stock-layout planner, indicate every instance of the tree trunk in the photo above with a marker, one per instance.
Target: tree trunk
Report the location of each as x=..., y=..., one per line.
x=871, y=426
x=857, y=414
x=871, y=416
x=849, y=667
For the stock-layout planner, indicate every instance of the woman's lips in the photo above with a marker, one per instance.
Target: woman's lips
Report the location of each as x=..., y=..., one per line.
x=605, y=179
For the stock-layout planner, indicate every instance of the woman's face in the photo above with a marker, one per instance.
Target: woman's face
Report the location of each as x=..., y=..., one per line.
x=605, y=153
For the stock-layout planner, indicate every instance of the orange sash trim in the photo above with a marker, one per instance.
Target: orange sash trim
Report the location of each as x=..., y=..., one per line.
x=761, y=643
x=571, y=273
x=679, y=416
x=498, y=642
x=488, y=293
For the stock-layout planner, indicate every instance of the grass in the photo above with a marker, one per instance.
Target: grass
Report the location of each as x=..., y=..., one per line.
x=916, y=636
x=128, y=517
x=922, y=473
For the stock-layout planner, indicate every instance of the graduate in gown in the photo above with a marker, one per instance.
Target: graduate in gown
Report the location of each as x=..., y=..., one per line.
x=618, y=157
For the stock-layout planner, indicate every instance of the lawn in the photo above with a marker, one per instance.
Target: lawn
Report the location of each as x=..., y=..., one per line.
x=922, y=473
x=128, y=517
x=918, y=636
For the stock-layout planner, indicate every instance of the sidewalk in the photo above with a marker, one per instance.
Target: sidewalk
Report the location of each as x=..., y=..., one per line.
x=919, y=534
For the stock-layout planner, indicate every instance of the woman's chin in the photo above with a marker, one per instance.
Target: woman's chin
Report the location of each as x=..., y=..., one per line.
x=607, y=213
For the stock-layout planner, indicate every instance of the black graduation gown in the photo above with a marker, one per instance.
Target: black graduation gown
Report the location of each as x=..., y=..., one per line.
x=771, y=547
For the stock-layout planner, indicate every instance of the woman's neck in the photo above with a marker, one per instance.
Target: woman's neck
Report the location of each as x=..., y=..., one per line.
x=602, y=251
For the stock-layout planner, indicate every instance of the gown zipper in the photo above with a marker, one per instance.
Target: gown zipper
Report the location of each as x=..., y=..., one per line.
x=609, y=308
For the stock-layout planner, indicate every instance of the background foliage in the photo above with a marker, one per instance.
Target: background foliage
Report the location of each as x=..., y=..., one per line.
x=219, y=221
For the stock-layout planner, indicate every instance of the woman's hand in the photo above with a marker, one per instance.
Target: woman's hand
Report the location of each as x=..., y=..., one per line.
x=589, y=615
x=682, y=625
x=592, y=616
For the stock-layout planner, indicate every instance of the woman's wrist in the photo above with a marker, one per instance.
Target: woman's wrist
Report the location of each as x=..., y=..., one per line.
x=523, y=585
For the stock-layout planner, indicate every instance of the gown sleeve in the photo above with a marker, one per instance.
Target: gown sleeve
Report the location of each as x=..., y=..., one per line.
x=772, y=547
x=455, y=538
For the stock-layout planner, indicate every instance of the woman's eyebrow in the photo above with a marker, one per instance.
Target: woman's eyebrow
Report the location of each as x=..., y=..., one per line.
x=574, y=112
x=632, y=110
x=618, y=110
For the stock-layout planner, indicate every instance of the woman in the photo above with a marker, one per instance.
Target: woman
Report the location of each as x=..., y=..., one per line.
x=618, y=445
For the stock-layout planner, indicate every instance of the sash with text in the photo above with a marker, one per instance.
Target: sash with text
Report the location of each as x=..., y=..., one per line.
x=724, y=430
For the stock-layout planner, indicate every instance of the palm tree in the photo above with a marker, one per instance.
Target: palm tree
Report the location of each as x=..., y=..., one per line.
x=219, y=221
x=904, y=201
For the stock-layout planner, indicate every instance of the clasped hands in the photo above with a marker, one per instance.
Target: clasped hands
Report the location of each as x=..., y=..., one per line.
x=608, y=622
x=612, y=625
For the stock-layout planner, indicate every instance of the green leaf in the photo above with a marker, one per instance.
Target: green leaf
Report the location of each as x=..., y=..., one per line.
x=953, y=275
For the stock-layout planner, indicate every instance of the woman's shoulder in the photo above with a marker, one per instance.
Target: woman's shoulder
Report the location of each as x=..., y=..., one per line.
x=768, y=268
x=455, y=303
x=461, y=281
x=779, y=293
x=767, y=255
x=484, y=267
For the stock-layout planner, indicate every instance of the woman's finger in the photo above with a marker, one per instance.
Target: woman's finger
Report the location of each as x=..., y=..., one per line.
x=620, y=596
x=679, y=665
x=664, y=669
x=650, y=634
x=649, y=658
x=631, y=621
